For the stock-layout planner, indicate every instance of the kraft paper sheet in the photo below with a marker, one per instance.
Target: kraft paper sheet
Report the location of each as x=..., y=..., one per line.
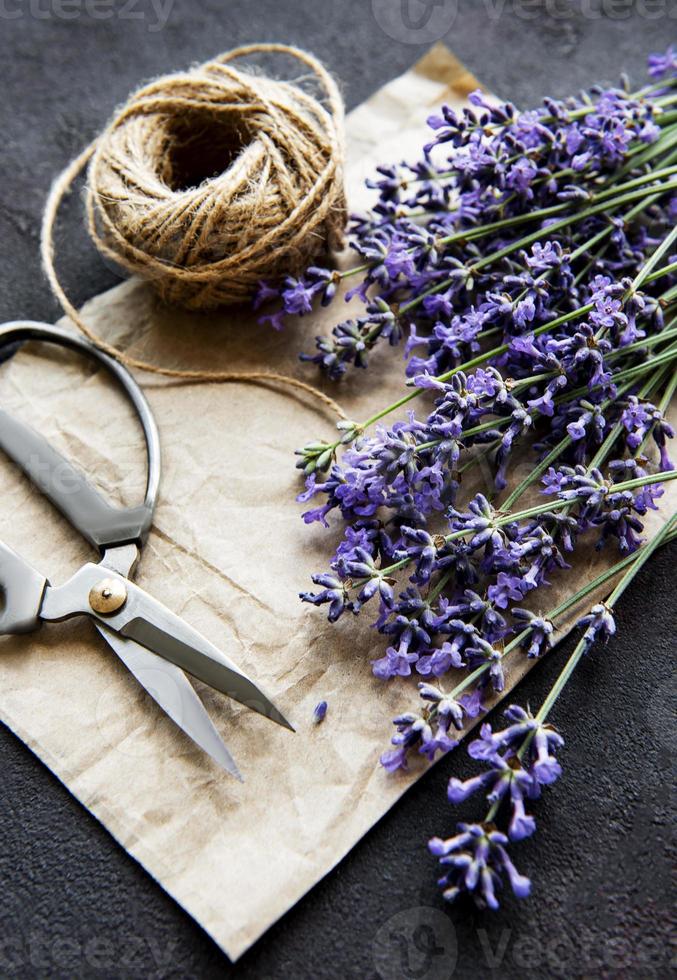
x=229, y=552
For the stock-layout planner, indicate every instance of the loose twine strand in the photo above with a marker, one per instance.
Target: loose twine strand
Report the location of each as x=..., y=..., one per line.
x=128, y=231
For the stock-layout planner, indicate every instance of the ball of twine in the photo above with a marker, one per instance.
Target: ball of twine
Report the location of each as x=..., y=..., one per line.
x=209, y=180
x=206, y=182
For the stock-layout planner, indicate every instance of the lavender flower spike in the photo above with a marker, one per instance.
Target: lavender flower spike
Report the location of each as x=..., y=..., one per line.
x=476, y=860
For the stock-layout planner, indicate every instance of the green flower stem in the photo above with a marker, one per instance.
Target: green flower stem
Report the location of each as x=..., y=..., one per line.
x=480, y=455
x=638, y=369
x=640, y=559
x=346, y=273
x=522, y=515
x=638, y=156
x=669, y=392
x=654, y=87
x=599, y=237
x=605, y=205
x=469, y=681
x=665, y=100
x=439, y=587
x=579, y=114
x=605, y=232
x=493, y=810
x=670, y=295
x=653, y=261
x=472, y=234
x=479, y=360
x=631, y=374
x=566, y=442
x=605, y=448
x=559, y=611
x=437, y=288
x=531, y=478
x=665, y=271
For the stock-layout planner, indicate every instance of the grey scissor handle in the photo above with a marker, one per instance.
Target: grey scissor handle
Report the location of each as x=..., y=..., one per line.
x=21, y=592
x=100, y=523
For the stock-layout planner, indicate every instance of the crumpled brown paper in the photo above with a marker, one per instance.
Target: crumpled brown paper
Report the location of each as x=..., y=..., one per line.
x=229, y=553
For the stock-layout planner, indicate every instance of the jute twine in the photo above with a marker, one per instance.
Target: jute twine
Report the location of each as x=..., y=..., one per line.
x=206, y=182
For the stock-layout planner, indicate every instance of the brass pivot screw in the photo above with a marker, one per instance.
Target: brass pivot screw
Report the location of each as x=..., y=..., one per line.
x=108, y=596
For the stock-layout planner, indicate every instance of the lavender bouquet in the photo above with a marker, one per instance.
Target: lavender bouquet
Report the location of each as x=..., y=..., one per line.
x=527, y=264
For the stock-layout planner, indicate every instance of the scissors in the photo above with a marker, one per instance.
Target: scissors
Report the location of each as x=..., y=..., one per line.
x=156, y=645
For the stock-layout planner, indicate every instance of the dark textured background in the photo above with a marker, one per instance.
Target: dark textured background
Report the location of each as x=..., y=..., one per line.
x=71, y=902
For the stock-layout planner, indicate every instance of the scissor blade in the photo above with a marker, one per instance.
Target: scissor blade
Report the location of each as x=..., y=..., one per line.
x=144, y=619
x=172, y=690
x=161, y=631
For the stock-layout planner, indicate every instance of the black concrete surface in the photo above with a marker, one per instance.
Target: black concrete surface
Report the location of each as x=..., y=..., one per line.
x=72, y=904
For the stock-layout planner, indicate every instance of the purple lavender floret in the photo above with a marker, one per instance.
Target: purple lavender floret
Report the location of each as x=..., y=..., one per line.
x=541, y=632
x=320, y=712
x=520, y=761
x=664, y=65
x=599, y=624
x=543, y=742
x=334, y=593
x=449, y=655
x=412, y=732
x=427, y=733
x=474, y=862
x=505, y=779
x=640, y=419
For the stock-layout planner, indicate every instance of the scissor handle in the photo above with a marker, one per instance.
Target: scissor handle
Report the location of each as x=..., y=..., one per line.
x=21, y=592
x=100, y=523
